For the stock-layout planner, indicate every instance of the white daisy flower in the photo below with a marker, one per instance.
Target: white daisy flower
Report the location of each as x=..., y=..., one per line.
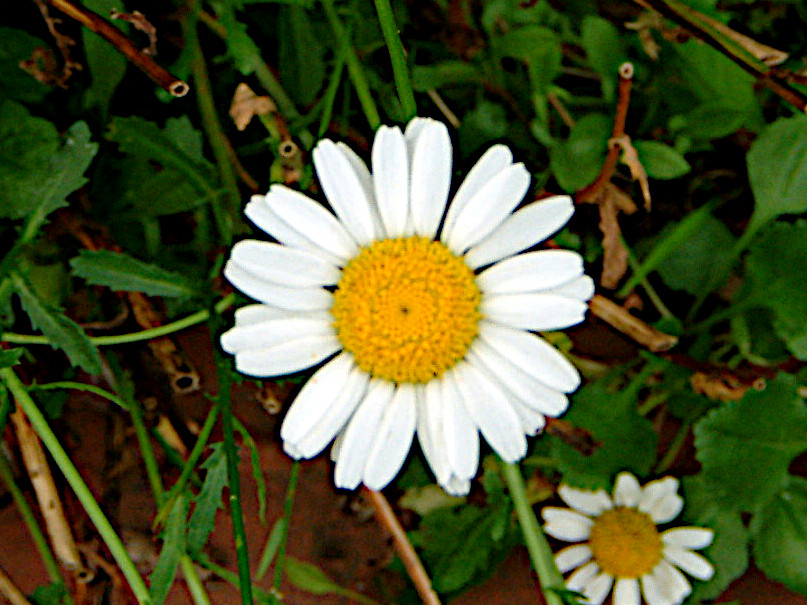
x=621, y=545
x=425, y=320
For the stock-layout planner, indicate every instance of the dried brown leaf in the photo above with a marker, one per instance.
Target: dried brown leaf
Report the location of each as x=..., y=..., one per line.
x=246, y=105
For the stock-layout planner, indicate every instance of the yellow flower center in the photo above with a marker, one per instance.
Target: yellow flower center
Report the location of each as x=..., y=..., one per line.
x=625, y=542
x=407, y=309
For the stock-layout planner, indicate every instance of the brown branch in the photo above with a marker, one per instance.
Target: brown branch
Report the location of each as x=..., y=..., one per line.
x=122, y=44
x=386, y=517
x=618, y=317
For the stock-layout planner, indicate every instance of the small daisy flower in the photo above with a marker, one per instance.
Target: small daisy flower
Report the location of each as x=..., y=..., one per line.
x=622, y=547
x=422, y=311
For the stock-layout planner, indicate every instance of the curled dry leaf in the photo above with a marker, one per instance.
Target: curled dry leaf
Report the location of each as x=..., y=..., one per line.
x=246, y=105
x=140, y=23
x=718, y=387
x=630, y=157
x=612, y=201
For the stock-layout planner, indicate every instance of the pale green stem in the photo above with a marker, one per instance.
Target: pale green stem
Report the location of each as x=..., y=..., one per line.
x=287, y=508
x=541, y=555
x=83, y=493
x=397, y=54
x=354, y=67
x=193, y=582
x=99, y=341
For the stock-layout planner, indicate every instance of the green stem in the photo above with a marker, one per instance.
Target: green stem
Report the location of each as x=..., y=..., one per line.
x=147, y=452
x=99, y=341
x=397, y=54
x=193, y=582
x=287, y=508
x=540, y=554
x=231, y=452
x=354, y=67
x=83, y=493
x=675, y=447
x=329, y=97
x=40, y=542
x=215, y=133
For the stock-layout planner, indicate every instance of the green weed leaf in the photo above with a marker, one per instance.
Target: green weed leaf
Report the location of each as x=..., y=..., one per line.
x=62, y=332
x=780, y=536
x=777, y=170
x=209, y=500
x=776, y=265
x=745, y=447
x=577, y=161
x=121, y=272
x=174, y=542
x=625, y=440
x=661, y=161
x=19, y=46
x=605, y=52
x=536, y=46
x=10, y=357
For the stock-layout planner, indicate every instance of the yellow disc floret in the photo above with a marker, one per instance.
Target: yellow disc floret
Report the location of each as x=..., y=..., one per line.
x=625, y=542
x=407, y=309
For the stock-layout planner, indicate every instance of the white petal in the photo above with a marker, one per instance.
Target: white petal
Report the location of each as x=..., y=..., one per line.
x=665, y=585
x=690, y=562
x=661, y=501
x=626, y=592
x=532, y=422
x=566, y=525
x=391, y=179
x=345, y=191
x=588, y=502
x=296, y=220
x=286, y=357
x=535, y=395
x=491, y=412
x=688, y=537
x=581, y=288
x=284, y=265
x=572, y=556
x=581, y=578
x=255, y=314
x=272, y=332
x=430, y=178
x=460, y=434
x=323, y=406
x=488, y=208
x=535, y=311
x=393, y=439
x=525, y=228
x=532, y=355
x=598, y=588
x=627, y=490
x=276, y=295
x=492, y=162
x=531, y=272
x=357, y=437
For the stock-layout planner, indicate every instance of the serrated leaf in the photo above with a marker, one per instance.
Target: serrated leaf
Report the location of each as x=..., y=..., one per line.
x=745, y=447
x=780, y=536
x=257, y=471
x=661, y=161
x=577, y=161
x=121, y=272
x=39, y=169
x=62, y=332
x=209, y=500
x=777, y=170
x=174, y=541
x=625, y=440
x=728, y=551
x=776, y=265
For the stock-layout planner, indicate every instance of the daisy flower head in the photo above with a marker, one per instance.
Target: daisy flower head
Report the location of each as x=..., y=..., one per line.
x=422, y=311
x=621, y=546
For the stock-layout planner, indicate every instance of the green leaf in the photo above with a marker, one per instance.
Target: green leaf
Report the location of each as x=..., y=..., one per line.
x=309, y=577
x=728, y=551
x=706, y=250
x=780, y=536
x=257, y=471
x=162, y=578
x=444, y=73
x=15, y=83
x=39, y=172
x=661, y=161
x=50, y=594
x=577, y=161
x=536, y=46
x=61, y=331
x=121, y=272
x=484, y=123
x=625, y=440
x=10, y=357
x=106, y=68
x=777, y=170
x=776, y=266
x=746, y=446
x=209, y=500
x=301, y=53
x=605, y=52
